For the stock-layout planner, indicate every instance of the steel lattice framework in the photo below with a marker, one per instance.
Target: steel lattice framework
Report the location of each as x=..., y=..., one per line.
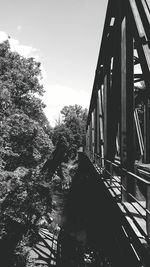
x=118, y=125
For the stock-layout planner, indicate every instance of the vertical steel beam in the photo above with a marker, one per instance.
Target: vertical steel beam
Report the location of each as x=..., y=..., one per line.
x=127, y=105
x=101, y=128
x=112, y=92
x=106, y=112
x=93, y=135
x=98, y=125
x=147, y=131
x=148, y=210
x=115, y=95
x=90, y=138
x=95, y=124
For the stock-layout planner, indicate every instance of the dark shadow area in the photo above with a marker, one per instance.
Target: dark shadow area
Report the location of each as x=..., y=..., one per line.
x=92, y=234
x=9, y=242
x=54, y=161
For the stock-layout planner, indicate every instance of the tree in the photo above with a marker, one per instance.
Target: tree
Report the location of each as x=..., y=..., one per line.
x=72, y=128
x=24, y=144
x=21, y=212
x=19, y=78
x=25, y=130
x=75, y=118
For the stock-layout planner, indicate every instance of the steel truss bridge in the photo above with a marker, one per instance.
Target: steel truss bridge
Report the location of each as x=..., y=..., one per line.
x=118, y=125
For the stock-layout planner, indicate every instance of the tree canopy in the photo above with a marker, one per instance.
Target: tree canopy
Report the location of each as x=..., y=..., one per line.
x=24, y=144
x=72, y=128
x=24, y=129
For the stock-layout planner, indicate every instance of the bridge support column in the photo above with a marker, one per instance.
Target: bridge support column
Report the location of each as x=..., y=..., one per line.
x=107, y=122
x=100, y=122
x=98, y=125
x=127, y=108
x=93, y=136
x=147, y=132
x=88, y=140
x=95, y=127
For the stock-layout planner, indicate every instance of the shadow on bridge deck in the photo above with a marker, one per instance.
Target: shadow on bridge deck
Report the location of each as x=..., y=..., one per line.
x=95, y=220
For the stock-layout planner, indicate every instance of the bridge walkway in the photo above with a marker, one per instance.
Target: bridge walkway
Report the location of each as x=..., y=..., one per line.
x=134, y=212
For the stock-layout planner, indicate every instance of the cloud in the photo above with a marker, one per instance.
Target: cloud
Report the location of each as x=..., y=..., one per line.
x=3, y=36
x=19, y=28
x=58, y=96
x=24, y=50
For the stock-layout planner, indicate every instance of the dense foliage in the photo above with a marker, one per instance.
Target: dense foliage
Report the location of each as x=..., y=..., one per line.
x=72, y=129
x=25, y=147
x=24, y=144
x=24, y=127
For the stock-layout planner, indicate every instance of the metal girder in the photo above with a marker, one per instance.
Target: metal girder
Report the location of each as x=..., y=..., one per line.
x=119, y=113
x=125, y=46
x=100, y=122
x=147, y=131
x=141, y=36
x=127, y=102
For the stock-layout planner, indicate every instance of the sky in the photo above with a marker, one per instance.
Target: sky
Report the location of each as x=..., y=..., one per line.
x=65, y=36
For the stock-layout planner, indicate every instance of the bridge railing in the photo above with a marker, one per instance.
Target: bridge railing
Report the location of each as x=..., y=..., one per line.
x=113, y=174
